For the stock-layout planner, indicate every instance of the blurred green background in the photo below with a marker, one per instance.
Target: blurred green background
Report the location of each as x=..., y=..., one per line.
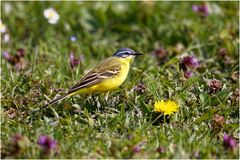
x=164, y=32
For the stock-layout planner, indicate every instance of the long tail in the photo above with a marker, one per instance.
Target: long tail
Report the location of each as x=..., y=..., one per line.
x=56, y=100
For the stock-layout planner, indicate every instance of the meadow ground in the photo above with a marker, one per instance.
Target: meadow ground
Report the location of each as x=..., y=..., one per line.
x=190, y=57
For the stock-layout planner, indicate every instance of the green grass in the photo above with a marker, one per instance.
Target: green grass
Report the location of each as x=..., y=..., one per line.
x=80, y=129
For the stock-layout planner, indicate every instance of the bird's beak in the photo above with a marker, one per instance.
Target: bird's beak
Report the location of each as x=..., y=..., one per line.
x=137, y=54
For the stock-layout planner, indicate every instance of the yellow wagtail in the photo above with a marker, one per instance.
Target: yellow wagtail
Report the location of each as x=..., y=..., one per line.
x=106, y=76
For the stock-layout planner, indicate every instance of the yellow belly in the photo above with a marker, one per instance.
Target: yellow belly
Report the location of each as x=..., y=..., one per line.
x=110, y=83
x=107, y=85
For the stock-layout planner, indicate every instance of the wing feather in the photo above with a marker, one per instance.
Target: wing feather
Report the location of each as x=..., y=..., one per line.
x=103, y=71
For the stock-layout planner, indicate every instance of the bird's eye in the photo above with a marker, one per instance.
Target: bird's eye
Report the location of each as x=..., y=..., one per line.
x=124, y=55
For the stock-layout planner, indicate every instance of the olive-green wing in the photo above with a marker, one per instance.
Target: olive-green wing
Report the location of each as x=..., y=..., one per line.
x=107, y=69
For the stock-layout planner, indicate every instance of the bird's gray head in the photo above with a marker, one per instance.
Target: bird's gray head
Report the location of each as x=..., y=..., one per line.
x=126, y=52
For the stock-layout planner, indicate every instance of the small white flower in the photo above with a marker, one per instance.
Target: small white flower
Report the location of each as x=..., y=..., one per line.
x=3, y=28
x=6, y=38
x=51, y=15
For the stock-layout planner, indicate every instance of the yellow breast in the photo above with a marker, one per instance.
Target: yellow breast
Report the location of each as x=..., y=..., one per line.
x=114, y=82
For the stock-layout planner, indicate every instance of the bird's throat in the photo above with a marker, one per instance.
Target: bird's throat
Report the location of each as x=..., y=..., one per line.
x=129, y=59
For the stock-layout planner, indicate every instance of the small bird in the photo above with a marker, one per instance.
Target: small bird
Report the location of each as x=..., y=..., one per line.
x=106, y=76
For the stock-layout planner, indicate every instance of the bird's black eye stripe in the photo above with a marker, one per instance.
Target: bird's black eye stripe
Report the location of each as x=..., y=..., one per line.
x=124, y=52
x=129, y=52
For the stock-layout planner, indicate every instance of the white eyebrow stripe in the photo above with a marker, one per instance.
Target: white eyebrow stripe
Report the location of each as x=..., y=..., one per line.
x=124, y=52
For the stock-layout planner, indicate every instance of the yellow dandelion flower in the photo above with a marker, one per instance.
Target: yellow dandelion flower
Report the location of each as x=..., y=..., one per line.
x=166, y=107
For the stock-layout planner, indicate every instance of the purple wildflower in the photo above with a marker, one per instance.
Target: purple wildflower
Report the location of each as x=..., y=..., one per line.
x=161, y=149
x=229, y=142
x=190, y=61
x=201, y=9
x=214, y=85
x=20, y=52
x=196, y=154
x=188, y=74
x=73, y=38
x=6, y=55
x=136, y=149
x=47, y=143
x=18, y=144
x=74, y=61
x=222, y=52
x=14, y=147
x=217, y=122
x=160, y=53
x=16, y=60
x=140, y=88
x=223, y=55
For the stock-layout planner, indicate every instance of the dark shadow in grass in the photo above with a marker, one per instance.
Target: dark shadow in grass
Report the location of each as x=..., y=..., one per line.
x=158, y=118
x=91, y=107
